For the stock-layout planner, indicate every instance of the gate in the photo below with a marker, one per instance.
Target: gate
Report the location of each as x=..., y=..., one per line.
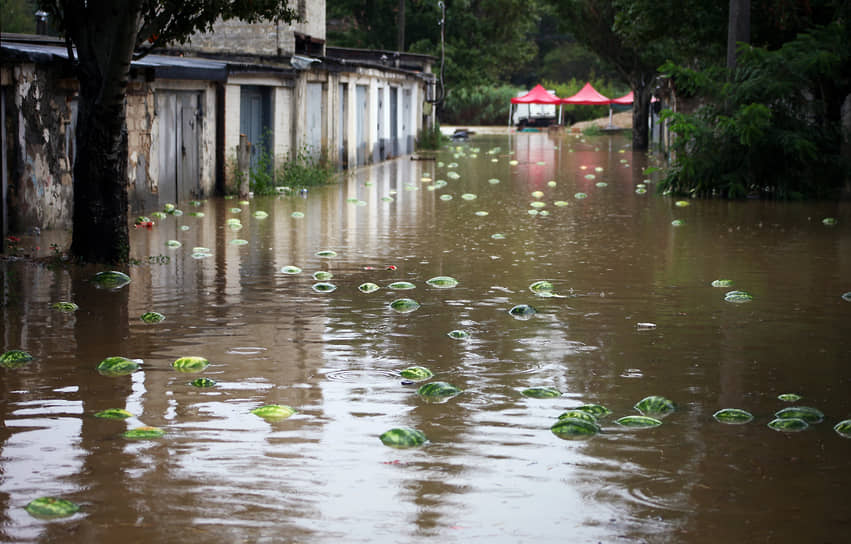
x=180, y=118
x=255, y=121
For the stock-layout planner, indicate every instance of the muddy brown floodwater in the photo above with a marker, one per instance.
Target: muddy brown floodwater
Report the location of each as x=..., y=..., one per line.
x=491, y=471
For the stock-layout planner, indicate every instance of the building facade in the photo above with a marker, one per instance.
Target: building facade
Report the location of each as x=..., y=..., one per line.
x=277, y=84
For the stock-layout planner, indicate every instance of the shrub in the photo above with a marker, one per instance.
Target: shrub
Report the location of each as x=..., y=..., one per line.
x=772, y=129
x=305, y=170
x=431, y=138
x=479, y=105
x=300, y=170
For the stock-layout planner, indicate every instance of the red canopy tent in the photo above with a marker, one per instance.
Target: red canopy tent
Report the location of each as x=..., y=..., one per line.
x=538, y=95
x=626, y=99
x=587, y=96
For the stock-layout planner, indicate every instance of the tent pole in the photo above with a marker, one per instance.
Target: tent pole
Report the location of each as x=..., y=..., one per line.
x=610, y=117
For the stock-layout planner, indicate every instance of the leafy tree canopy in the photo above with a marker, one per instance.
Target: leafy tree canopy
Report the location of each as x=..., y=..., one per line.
x=17, y=16
x=487, y=41
x=772, y=128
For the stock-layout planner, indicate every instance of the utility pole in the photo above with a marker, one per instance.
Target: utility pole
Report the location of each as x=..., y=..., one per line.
x=400, y=45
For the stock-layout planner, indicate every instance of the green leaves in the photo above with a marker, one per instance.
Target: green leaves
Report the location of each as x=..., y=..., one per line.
x=768, y=129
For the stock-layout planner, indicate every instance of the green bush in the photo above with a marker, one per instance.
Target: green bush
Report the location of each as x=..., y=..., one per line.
x=300, y=170
x=772, y=129
x=431, y=138
x=305, y=170
x=480, y=105
x=261, y=175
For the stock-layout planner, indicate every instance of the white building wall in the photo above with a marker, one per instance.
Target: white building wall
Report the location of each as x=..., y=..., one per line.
x=377, y=82
x=352, y=137
x=384, y=138
x=372, y=123
x=282, y=112
x=232, y=107
x=417, y=96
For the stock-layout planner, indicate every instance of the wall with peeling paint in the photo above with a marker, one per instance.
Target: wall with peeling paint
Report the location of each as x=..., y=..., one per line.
x=40, y=123
x=40, y=119
x=141, y=185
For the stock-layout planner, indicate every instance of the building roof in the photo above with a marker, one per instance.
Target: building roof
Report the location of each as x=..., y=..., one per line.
x=163, y=66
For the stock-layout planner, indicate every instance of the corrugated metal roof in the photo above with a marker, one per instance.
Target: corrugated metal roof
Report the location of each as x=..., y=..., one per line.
x=164, y=66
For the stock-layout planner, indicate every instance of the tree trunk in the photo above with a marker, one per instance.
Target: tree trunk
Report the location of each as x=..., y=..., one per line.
x=104, y=36
x=101, y=231
x=642, y=93
x=738, y=28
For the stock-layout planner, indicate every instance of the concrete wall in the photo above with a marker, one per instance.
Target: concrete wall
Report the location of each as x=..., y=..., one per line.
x=313, y=13
x=39, y=138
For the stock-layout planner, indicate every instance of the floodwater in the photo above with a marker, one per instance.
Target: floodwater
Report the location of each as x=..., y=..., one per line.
x=491, y=471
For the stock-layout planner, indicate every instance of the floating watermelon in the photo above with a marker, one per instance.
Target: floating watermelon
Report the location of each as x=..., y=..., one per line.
x=403, y=438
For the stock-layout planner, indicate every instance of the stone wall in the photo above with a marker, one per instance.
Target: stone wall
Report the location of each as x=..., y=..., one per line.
x=237, y=37
x=265, y=38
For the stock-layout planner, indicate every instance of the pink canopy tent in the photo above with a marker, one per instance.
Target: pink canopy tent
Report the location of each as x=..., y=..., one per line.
x=538, y=95
x=624, y=100
x=587, y=96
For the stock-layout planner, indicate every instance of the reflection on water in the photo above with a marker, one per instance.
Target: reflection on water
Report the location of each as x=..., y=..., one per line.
x=492, y=471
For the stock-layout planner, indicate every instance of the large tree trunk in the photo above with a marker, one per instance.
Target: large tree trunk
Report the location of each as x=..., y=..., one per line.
x=104, y=36
x=642, y=93
x=738, y=28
